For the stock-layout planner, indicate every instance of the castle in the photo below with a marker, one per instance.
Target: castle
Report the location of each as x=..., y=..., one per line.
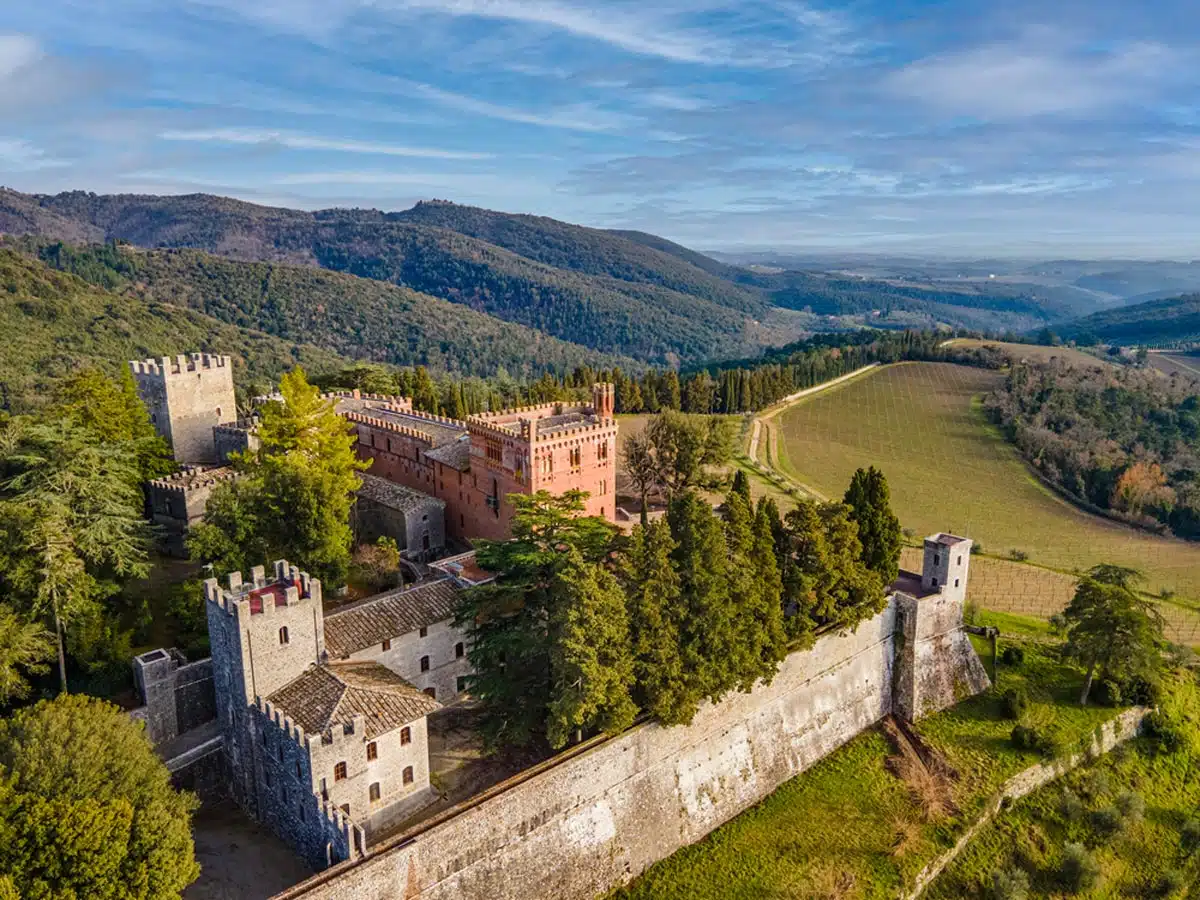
x=467, y=468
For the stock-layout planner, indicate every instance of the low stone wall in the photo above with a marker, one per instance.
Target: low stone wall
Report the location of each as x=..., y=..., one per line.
x=1112, y=733
x=597, y=818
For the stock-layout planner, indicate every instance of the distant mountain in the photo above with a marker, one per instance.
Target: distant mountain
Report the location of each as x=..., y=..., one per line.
x=1156, y=323
x=54, y=323
x=355, y=317
x=581, y=285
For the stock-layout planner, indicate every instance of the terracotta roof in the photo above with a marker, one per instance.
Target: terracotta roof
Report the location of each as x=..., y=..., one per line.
x=947, y=540
x=910, y=583
x=389, y=615
x=395, y=496
x=330, y=696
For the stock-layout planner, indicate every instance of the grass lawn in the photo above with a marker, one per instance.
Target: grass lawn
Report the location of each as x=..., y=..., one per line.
x=1030, y=835
x=848, y=827
x=949, y=471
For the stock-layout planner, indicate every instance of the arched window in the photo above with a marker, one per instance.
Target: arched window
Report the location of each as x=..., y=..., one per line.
x=374, y=791
x=424, y=663
x=408, y=774
x=405, y=735
x=283, y=635
x=372, y=751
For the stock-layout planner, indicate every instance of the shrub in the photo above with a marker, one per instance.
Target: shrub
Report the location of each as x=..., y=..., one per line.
x=1058, y=624
x=1143, y=691
x=1024, y=737
x=1172, y=882
x=1164, y=731
x=1094, y=784
x=1070, y=806
x=1013, y=655
x=1106, y=821
x=1131, y=805
x=1189, y=835
x=1015, y=701
x=976, y=549
x=1008, y=884
x=1079, y=870
x=1108, y=693
x=1018, y=555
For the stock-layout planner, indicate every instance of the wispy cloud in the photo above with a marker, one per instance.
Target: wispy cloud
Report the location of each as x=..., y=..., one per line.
x=16, y=52
x=578, y=117
x=256, y=137
x=1038, y=75
x=20, y=155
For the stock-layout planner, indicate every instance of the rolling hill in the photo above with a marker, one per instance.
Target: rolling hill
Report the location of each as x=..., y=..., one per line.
x=1172, y=321
x=54, y=323
x=355, y=317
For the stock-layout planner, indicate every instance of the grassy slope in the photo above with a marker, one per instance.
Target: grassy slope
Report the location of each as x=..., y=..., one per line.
x=847, y=827
x=1037, y=352
x=949, y=472
x=1031, y=834
x=54, y=323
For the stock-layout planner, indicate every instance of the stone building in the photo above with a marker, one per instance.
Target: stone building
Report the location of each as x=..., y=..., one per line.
x=177, y=502
x=410, y=631
x=415, y=521
x=187, y=396
x=324, y=732
x=475, y=465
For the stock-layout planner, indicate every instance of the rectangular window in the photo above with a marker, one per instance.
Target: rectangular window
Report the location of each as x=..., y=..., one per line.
x=299, y=771
x=387, y=645
x=408, y=774
x=339, y=772
x=346, y=809
x=460, y=650
x=431, y=693
x=372, y=751
x=424, y=632
x=374, y=792
x=460, y=684
x=956, y=582
x=424, y=663
x=405, y=735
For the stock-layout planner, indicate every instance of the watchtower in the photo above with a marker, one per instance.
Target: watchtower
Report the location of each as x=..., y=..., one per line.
x=187, y=396
x=947, y=561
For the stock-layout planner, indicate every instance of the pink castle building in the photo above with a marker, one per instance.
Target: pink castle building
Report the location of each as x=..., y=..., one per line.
x=474, y=466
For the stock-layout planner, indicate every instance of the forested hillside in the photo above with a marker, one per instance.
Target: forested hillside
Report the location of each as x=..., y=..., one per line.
x=1157, y=323
x=355, y=317
x=617, y=292
x=55, y=323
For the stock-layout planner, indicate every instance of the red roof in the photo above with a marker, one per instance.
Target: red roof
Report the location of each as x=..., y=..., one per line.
x=274, y=591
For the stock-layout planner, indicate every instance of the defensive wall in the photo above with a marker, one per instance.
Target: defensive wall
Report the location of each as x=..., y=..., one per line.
x=601, y=813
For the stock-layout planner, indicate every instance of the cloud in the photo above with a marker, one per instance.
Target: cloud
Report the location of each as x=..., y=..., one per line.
x=312, y=142
x=16, y=52
x=22, y=156
x=1039, y=75
x=577, y=117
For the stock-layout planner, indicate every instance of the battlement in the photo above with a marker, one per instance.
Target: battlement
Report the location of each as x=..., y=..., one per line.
x=168, y=366
x=293, y=731
x=191, y=479
x=484, y=418
x=393, y=427
x=259, y=596
x=575, y=432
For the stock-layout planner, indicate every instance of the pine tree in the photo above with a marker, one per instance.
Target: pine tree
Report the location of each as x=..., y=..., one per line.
x=591, y=659
x=754, y=589
x=657, y=617
x=878, y=528
x=741, y=486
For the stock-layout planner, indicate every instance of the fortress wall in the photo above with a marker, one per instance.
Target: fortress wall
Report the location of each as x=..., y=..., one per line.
x=600, y=817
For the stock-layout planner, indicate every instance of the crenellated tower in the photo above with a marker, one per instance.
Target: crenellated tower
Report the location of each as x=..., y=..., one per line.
x=187, y=396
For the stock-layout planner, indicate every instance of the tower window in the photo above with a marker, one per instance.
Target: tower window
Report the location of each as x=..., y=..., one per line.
x=424, y=632
x=408, y=775
x=960, y=561
x=387, y=645
x=937, y=560
x=374, y=791
x=460, y=650
x=283, y=635
x=372, y=751
x=339, y=772
x=405, y=735
x=299, y=771
x=956, y=582
x=424, y=663
x=934, y=581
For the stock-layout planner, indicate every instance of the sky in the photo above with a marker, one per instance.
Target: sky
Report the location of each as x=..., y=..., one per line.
x=947, y=127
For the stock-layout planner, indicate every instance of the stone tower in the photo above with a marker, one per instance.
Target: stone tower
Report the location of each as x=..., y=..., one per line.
x=947, y=560
x=264, y=633
x=187, y=396
x=604, y=399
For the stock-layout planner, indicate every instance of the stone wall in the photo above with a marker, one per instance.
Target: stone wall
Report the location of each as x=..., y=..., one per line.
x=599, y=815
x=445, y=647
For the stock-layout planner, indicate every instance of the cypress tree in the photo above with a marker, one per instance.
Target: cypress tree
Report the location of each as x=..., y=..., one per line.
x=591, y=660
x=656, y=620
x=878, y=527
x=755, y=591
x=741, y=486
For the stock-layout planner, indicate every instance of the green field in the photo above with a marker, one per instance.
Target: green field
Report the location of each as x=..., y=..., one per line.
x=1035, y=352
x=850, y=827
x=949, y=471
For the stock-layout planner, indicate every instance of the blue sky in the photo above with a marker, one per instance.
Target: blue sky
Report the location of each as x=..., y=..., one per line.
x=947, y=126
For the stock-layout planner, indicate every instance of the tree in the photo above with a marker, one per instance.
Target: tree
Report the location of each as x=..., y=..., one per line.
x=755, y=592
x=24, y=648
x=741, y=486
x=878, y=527
x=656, y=619
x=508, y=620
x=113, y=411
x=1110, y=629
x=684, y=447
x=640, y=467
x=295, y=493
x=73, y=514
x=591, y=661
x=710, y=634
x=87, y=809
